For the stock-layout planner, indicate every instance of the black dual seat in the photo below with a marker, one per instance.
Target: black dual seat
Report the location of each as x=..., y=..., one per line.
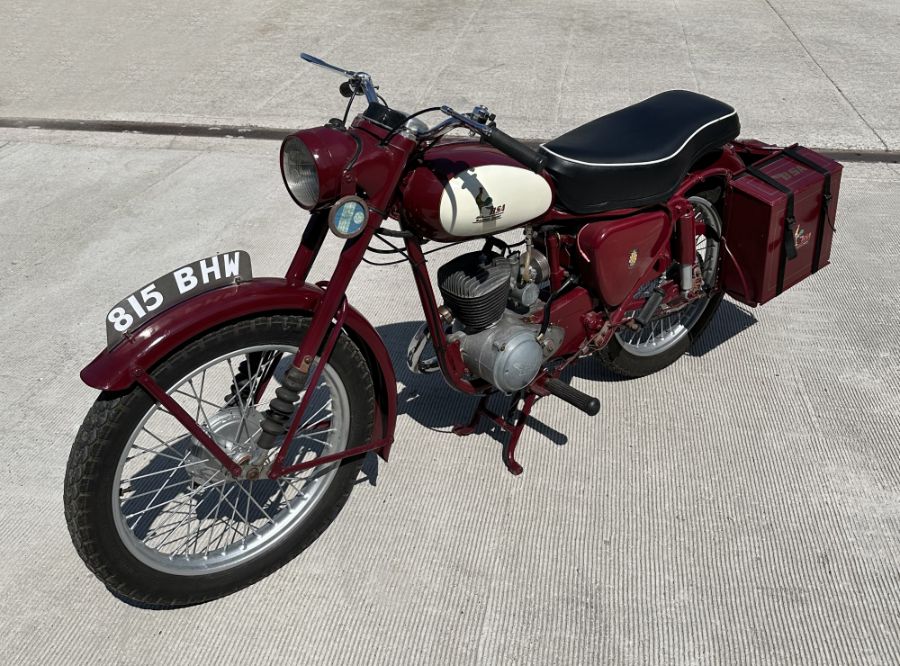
x=637, y=156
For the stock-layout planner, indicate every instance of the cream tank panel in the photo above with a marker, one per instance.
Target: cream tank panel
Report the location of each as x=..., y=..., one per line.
x=490, y=198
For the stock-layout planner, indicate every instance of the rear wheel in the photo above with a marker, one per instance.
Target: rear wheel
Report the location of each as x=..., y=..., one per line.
x=641, y=352
x=159, y=520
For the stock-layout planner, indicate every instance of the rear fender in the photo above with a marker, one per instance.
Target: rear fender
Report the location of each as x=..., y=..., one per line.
x=114, y=369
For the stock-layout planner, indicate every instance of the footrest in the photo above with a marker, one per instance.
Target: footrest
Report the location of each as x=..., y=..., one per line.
x=589, y=405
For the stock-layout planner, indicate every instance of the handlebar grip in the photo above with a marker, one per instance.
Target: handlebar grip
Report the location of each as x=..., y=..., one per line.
x=516, y=150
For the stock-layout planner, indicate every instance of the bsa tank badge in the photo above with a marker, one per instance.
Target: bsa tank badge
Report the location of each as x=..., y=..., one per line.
x=489, y=212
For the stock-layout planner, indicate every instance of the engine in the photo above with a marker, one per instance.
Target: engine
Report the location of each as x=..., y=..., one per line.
x=491, y=297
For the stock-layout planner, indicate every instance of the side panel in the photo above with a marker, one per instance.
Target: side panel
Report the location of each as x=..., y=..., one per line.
x=618, y=253
x=112, y=369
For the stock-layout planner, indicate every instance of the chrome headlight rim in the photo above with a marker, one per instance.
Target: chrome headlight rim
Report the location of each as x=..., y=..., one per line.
x=300, y=172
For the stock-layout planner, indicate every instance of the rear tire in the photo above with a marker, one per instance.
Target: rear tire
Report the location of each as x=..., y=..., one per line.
x=95, y=476
x=620, y=358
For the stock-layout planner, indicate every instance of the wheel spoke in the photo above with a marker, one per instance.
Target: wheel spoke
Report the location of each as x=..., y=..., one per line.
x=200, y=404
x=155, y=452
x=236, y=388
x=165, y=444
x=290, y=481
x=156, y=506
x=236, y=511
x=242, y=406
x=202, y=386
x=179, y=509
x=155, y=495
x=226, y=524
x=307, y=435
x=318, y=411
x=217, y=514
x=163, y=471
x=149, y=492
x=200, y=401
x=246, y=517
x=250, y=497
x=265, y=366
x=172, y=526
x=190, y=513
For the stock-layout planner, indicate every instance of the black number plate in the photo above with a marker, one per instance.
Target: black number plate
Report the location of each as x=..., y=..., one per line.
x=136, y=309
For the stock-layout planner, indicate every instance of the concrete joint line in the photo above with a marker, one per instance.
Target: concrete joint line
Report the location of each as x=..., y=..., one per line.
x=278, y=133
x=826, y=74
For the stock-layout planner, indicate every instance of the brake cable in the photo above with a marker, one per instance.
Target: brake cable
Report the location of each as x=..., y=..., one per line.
x=392, y=132
x=397, y=250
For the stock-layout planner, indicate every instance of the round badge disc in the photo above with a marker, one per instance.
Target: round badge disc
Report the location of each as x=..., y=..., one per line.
x=348, y=217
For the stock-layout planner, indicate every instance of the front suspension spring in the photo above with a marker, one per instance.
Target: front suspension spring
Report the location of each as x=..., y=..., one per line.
x=281, y=408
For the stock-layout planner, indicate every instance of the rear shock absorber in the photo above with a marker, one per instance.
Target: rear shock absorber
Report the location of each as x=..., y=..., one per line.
x=687, y=247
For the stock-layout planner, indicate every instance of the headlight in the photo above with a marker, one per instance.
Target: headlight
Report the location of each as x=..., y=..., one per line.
x=298, y=168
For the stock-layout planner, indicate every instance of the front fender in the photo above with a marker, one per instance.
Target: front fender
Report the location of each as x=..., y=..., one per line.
x=114, y=369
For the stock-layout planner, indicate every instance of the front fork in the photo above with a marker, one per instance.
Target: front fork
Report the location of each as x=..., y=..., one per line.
x=284, y=416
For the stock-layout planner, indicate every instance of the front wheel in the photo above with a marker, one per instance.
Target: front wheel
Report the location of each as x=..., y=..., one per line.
x=641, y=352
x=159, y=520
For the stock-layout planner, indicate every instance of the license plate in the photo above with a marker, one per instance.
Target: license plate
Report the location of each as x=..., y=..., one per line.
x=181, y=284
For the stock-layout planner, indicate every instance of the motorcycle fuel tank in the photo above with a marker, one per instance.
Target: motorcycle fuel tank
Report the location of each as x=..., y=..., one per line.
x=468, y=189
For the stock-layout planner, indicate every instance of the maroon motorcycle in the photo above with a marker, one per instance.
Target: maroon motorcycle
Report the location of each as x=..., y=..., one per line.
x=236, y=411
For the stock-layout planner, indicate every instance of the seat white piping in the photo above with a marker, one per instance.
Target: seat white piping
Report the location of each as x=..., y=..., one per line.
x=628, y=164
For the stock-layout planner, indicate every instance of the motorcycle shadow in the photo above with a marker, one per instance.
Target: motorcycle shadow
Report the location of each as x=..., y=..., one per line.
x=729, y=321
x=430, y=402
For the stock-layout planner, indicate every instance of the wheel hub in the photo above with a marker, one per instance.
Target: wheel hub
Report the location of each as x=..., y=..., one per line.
x=234, y=432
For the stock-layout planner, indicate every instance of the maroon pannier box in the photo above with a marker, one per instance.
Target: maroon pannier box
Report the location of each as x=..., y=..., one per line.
x=779, y=222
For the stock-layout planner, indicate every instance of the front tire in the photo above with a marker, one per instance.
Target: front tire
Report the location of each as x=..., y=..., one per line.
x=638, y=354
x=159, y=521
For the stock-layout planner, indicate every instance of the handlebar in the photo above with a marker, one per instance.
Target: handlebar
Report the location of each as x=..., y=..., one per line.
x=358, y=80
x=501, y=140
x=479, y=121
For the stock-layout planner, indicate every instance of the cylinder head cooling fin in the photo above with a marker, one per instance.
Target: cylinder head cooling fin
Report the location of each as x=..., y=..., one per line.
x=475, y=287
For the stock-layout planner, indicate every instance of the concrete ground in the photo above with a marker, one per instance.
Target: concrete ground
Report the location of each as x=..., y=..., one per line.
x=821, y=74
x=743, y=506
